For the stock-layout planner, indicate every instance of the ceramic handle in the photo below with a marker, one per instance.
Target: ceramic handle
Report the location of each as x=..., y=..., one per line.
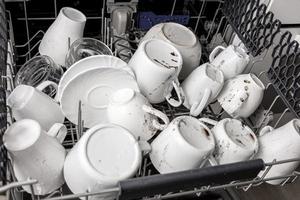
x=208, y=121
x=158, y=114
x=198, y=107
x=179, y=93
x=214, y=53
x=45, y=84
x=237, y=101
x=58, y=131
x=265, y=130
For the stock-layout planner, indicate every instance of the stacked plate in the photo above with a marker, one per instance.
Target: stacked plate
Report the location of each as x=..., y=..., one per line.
x=91, y=82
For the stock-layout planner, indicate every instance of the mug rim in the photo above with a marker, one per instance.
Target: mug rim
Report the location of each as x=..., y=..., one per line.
x=143, y=48
x=178, y=119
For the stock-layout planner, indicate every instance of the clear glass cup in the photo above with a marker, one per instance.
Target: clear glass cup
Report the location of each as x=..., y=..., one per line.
x=37, y=70
x=85, y=47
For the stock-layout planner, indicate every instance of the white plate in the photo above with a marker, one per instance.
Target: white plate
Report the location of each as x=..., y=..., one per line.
x=97, y=61
x=93, y=88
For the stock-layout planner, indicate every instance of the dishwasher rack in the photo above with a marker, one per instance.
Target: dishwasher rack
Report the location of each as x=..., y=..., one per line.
x=220, y=28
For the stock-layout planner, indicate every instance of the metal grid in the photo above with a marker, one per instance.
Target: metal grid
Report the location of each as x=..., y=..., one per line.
x=146, y=169
x=253, y=24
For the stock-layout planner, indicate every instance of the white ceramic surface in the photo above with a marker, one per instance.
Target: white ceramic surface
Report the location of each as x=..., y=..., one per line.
x=104, y=155
x=156, y=65
x=231, y=60
x=185, y=144
x=181, y=38
x=28, y=102
x=235, y=142
x=201, y=87
x=35, y=155
x=241, y=95
x=133, y=111
x=98, y=61
x=93, y=88
x=282, y=143
x=67, y=27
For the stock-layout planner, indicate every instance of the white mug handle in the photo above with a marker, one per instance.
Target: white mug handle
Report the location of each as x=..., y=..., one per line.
x=145, y=146
x=214, y=53
x=158, y=114
x=45, y=84
x=198, y=107
x=265, y=130
x=179, y=93
x=208, y=121
x=58, y=131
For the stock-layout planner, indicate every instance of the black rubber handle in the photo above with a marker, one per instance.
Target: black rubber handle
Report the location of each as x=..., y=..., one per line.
x=164, y=183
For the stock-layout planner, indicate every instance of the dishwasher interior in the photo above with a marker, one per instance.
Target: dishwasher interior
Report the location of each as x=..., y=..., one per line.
x=275, y=60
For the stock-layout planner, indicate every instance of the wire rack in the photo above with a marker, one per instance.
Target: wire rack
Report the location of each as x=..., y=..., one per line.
x=213, y=30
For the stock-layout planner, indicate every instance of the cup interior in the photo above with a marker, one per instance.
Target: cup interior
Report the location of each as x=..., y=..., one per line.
x=240, y=134
x=163, y=54
x=257, y=81
x=178, y=34
x=74, y=14
x=22, y=135
x=113, y=153
x=194, y=133
x=296, y=124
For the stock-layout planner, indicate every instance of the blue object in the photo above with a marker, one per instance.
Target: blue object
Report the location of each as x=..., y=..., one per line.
x=148, y=19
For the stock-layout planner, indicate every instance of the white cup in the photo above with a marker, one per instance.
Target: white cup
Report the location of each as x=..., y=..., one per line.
x=185, y=144
x=28, y=102
x=132, y=111
x=104, y=155
x=201, y=87
x=235, y=142
x=231, y=60
x=156, y=65
x=242, y=95
x=280, y=144
x=36, y=155
x=183, y=39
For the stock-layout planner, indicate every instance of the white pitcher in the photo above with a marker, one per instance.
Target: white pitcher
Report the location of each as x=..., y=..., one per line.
x=67, y=27
x=36, y=155
x=132, y=111
x=282, y=143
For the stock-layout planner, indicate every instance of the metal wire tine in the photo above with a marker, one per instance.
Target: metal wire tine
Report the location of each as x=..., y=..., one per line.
x=268, y=111
x=104, y=34
x=295, y=178
x=173, y=7
x=214, y=19
x=79, y=121
x=261, y=73
x=199, y=15
x=281, y=116
x=102, y=20
x=29, y=51
x=10, y=81
x=69, y=43
x=219, y=26
x=32, y=192
x=28, y=41
x=285, y=181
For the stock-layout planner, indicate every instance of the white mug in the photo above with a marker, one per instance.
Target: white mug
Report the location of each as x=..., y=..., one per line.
x=183, y=39
x=36, y=155
x=132, y=111
x=280, y=144
x=241, y=95
x=156, y=65
x=232, y=60
x=235, y=142
x=28, y=102
x=201, y=87
x=185, y=144
x=104, y=155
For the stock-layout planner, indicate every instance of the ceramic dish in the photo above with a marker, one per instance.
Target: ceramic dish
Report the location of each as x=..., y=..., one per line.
x=93, y=88
x=98, y=61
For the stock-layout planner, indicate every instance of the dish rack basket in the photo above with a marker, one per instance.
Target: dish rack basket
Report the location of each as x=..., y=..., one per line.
x=257, y=31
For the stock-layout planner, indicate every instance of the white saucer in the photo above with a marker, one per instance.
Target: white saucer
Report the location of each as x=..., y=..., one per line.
x=93, y=88
x=97, y=61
